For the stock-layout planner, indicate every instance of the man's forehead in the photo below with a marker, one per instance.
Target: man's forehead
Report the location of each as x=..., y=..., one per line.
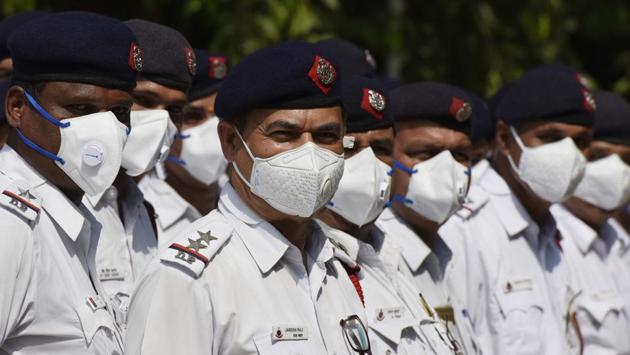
x=296, y=118
x=82, y=91
x=164, y=94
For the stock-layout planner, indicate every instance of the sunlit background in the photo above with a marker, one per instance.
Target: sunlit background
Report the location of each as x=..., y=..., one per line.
x=477, y=44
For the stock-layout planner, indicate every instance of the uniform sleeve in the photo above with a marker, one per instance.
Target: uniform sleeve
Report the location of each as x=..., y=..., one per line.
x=170, y=313
x=16, y=273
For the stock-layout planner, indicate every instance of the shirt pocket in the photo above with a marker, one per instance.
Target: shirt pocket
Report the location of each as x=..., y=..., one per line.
x=266, y=346
x=521, y=312
x=99, y=330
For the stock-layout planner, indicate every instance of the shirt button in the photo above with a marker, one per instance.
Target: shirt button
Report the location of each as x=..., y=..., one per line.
x=388, y=352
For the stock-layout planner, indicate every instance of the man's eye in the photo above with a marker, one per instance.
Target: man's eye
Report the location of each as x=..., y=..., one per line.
x=550, y=138
x=81, y=109
x=327, y=137
x=145, y=101
x=382, y=150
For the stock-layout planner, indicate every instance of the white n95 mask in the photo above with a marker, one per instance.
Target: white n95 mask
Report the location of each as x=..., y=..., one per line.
x=606, y=183
x=297, y=182
x=91, y=147
x=146, y=141
x=363, y=190
x=437, y=187
x=552, y=170
x=201, y=152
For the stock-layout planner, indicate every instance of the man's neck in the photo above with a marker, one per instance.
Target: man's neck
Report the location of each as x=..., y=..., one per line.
x=424, y=228
x=203, y=199
x=537, y=208
x=623, y=217
x=335, y=221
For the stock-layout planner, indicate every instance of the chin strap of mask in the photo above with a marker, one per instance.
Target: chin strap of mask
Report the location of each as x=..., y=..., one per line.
x=50, y=119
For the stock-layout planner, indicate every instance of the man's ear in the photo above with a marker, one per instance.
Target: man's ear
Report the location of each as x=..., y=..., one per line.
x=228, y=139
x=15, y=106
x=503, y=141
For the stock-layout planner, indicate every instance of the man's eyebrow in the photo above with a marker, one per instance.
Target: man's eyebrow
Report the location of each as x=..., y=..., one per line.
x=283, y=125
x=329, y=127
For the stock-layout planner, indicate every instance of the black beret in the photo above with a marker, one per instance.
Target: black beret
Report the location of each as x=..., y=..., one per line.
x=553, y=92
x=288, y=75
x=612, y=118
x=168, y=58
x=351, y=59
x=365, y=103
x=212, y=68
x=445, y=104
x=77, y=47
x=4, y=87
x=10, y=24
x=483, y=126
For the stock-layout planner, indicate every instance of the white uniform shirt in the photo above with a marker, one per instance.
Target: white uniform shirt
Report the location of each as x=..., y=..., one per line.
x=174, y=214
x=125, y=248
x=519, y=289
x=623, y=247
x=395, y=328
x=48, y=304
x=254, y=292
x=430, y=272
x=602, y=309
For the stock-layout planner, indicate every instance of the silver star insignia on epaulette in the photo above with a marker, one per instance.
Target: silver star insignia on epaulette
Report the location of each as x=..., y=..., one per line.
x=206, y=236
x=26, y=194
x=195, y=244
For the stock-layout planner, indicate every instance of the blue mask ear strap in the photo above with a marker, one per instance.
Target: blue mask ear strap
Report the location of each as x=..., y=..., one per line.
x=401, y=166
x=400, y=199
x=176, y=160
x=39, y=149
x=43, y=112
x=179, y=135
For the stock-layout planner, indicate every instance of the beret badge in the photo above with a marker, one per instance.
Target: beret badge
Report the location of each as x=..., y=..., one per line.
x=135, y=57
x=218, y=67
x=373, y=102
x=323, y=74
x=191, y=61
x=589, y=100
x=460, y=110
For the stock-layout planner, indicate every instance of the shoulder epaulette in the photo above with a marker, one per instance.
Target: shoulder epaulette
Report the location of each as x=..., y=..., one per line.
x=475, y=200
x=195, y=248
x=18, y=197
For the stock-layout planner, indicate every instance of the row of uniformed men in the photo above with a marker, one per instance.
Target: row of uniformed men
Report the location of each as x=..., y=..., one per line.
x=299, y=253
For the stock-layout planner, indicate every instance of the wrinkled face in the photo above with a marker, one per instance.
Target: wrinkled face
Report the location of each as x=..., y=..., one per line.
x=62, y=100
x=381, y=141
x=268, y=132
x=598, y=150
x=420, y=140
x=6, y=68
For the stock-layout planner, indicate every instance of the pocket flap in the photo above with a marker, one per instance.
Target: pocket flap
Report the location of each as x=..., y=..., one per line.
x=598, y=305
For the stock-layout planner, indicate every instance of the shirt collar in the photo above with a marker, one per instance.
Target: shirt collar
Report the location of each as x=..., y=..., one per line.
x=622, y=235
x=168, y=204
x=414, y=251
x=581, y=233
x=342, y=240
x=54, y=203
x=510, y=211
x=264, y=242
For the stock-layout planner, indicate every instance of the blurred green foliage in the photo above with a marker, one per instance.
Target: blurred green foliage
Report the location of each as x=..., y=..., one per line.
x=477, y=44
